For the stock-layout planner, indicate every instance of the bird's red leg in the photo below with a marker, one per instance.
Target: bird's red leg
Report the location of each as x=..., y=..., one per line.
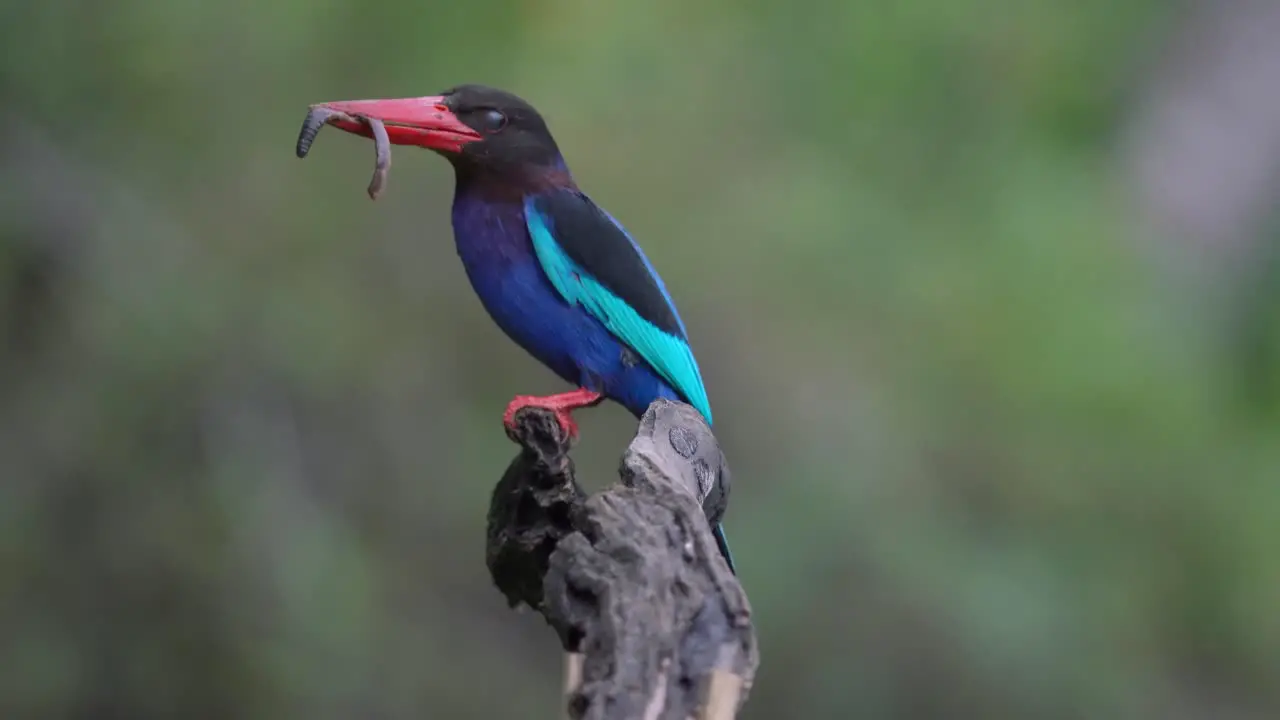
x=561, y=404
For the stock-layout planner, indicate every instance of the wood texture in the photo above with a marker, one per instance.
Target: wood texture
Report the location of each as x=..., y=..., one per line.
x=629, y=578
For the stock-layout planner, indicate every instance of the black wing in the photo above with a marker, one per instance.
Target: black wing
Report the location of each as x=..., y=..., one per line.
x=595, y=242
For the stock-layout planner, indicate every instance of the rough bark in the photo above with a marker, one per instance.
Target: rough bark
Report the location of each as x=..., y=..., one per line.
x=657, y=626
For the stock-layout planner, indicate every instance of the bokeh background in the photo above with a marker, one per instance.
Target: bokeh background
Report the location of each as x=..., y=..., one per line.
x=986, y=295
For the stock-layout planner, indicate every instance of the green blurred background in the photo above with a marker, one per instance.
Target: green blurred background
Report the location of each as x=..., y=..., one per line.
x=984, y=294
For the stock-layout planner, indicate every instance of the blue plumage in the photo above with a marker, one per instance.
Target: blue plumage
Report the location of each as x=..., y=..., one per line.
x=498, y=255
x=564, y=316
x=669, y=354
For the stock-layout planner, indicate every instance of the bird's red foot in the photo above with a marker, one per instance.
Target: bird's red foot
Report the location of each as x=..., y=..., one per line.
x=561, y=404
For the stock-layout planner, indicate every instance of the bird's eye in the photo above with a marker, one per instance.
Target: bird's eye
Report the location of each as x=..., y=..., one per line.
x=491, y=120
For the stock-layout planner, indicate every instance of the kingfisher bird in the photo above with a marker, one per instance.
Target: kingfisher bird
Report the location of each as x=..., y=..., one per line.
x=555, y=271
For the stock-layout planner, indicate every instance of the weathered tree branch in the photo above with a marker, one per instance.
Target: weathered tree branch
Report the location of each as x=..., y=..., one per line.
x=656, y=625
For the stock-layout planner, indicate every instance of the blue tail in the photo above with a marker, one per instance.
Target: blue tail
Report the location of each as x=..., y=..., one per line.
x=722, y=542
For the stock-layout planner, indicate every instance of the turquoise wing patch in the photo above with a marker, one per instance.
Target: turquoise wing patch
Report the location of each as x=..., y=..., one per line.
x=669, y=355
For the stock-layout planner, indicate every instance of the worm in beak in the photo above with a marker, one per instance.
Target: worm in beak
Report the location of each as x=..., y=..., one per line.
x=318, y=117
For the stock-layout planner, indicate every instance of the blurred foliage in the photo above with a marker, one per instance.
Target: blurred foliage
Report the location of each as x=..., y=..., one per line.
x=249, y=420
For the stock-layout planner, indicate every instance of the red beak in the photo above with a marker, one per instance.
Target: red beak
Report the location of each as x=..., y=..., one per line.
x=422, y=121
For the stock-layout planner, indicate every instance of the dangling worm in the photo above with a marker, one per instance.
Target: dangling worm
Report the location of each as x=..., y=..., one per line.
x=319, y=117
x=382, y=151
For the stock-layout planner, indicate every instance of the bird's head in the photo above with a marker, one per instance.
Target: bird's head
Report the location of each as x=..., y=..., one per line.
x=477, y=128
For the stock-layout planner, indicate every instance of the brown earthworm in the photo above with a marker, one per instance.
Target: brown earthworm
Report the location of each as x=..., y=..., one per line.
x=318, y=117
x=382, y=151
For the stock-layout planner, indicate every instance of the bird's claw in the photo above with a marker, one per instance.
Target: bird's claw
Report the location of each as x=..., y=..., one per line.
x=559, y=405
x=567, y=423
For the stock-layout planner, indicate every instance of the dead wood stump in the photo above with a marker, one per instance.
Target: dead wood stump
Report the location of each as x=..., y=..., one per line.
x=655, y=625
